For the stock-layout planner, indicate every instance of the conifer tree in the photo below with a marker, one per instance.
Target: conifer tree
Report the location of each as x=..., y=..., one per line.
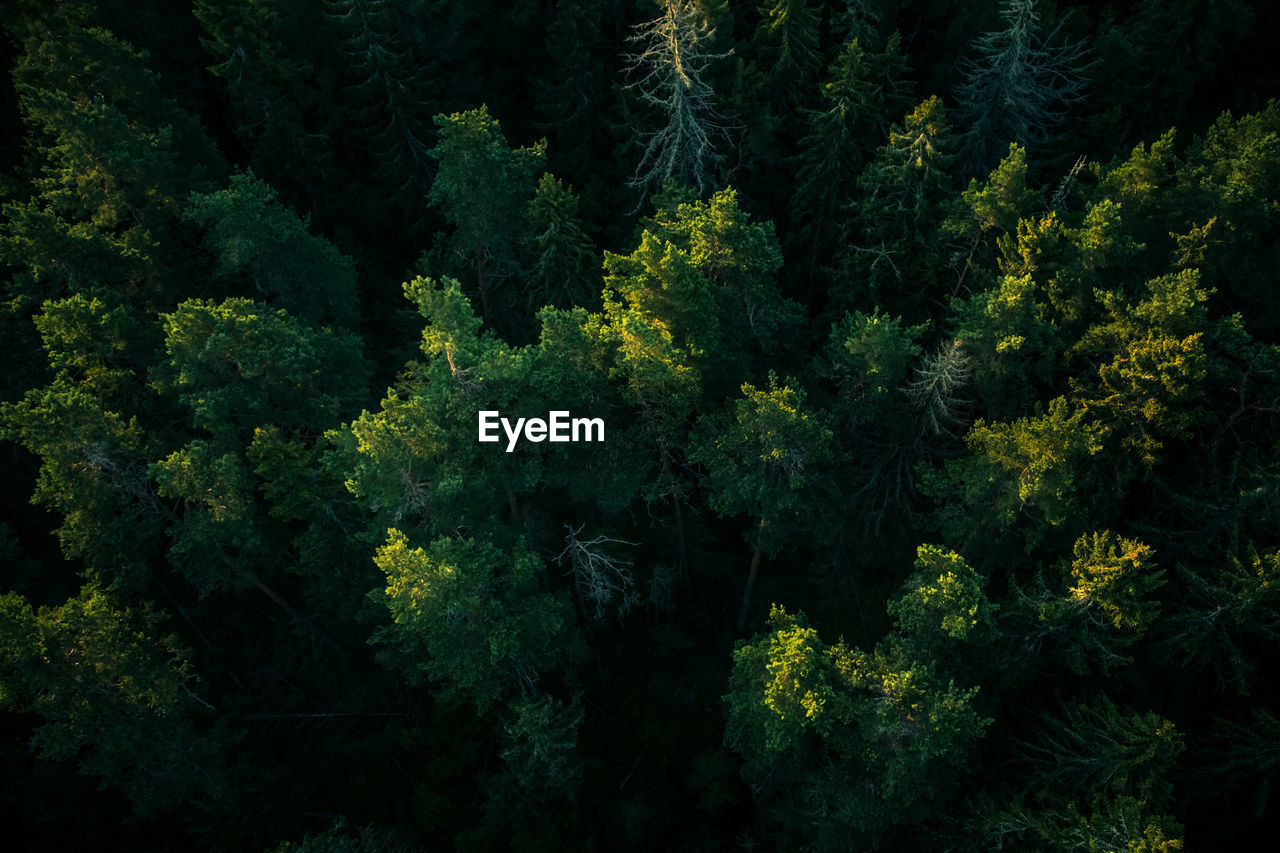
x=893, y=238
x=842, y=744
x=789, y=34
x=389, y=110
x=861, y=89
x=561, y=264
x=1017, y=87
x=113, y=695
x=670, y=69
x=484, y=187
x=274, y=95
x=765, y=462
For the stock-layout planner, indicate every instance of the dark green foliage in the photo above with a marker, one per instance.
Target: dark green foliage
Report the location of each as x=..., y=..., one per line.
x=989, y=392
x=844, y=743
x=561, y=261
x=112, y=695
x=483, y=187
x=237, y=364
x=892, y=243
x=1018, y=86
x=265, y=249
x=470, y=616
x=386, y=99
x=861, y=90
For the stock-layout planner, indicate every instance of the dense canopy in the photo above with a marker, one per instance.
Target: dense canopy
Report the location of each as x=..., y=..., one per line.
x=937, y=351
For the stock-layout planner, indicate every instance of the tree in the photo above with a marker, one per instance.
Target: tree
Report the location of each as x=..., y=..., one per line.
x=1018, y=88
x=1095, y=748
x=117, y=158
x=387, y=99
x=483, y=188
x=861, y=90
x=472, y=616
x=670, y=69
x=257, y=241
x=416, y=462
x=1224, y=610
x=764, y=461
x=561, y=263
x=842, y=744
x=1096, y=609
x=941, y=602
x=894, y=233
x=113, y=695
x=258, y=387
x=788, y=35
x=274, y=94
x=84, y=428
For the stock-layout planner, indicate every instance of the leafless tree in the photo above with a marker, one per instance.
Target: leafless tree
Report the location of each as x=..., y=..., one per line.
x=670, y=68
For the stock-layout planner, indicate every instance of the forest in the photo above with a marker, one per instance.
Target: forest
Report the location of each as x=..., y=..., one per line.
x=935, y=350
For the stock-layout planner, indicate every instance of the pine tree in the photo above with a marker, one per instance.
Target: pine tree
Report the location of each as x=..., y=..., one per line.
x=670, y=69
x=893, y=238
x=561, y=264
x=112, y=694
x=1017, y=87
x=484, y=187
x=860, y=90
x=274, y=95
x=788, y=37
x=389, y=109
x=766, y=461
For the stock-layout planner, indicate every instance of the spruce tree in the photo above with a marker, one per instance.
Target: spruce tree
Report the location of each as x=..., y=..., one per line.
x=1017, y=87
x=670, y=69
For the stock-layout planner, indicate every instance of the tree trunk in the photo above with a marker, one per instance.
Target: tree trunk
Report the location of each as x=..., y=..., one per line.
x=682, y=551
x=482, y=281
x=751, y=578
x=581, y=601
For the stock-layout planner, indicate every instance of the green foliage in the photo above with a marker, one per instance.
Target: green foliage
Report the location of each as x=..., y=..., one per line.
x=112, y=159
x=1023, y=433
x=861, y=90
x=943, y=600
x=236, y=365
x=1107, y=824
x=93, y=473
x=540, y=742
x=788, y=38
x=1041, y=462
x=112, y=695
x=767, y=459
x=471, y=616
x=893, y=236
x=483, y=187
x=385, y=102
x=1004, y=199
x=1095, y=747
x=257, y=242
x=809, y=719
x=695, y=303
x=1099, y=609
x=1225, y=607
x=1113, y=576
x=561, y=262
x=273, y=91
x=870, y=357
